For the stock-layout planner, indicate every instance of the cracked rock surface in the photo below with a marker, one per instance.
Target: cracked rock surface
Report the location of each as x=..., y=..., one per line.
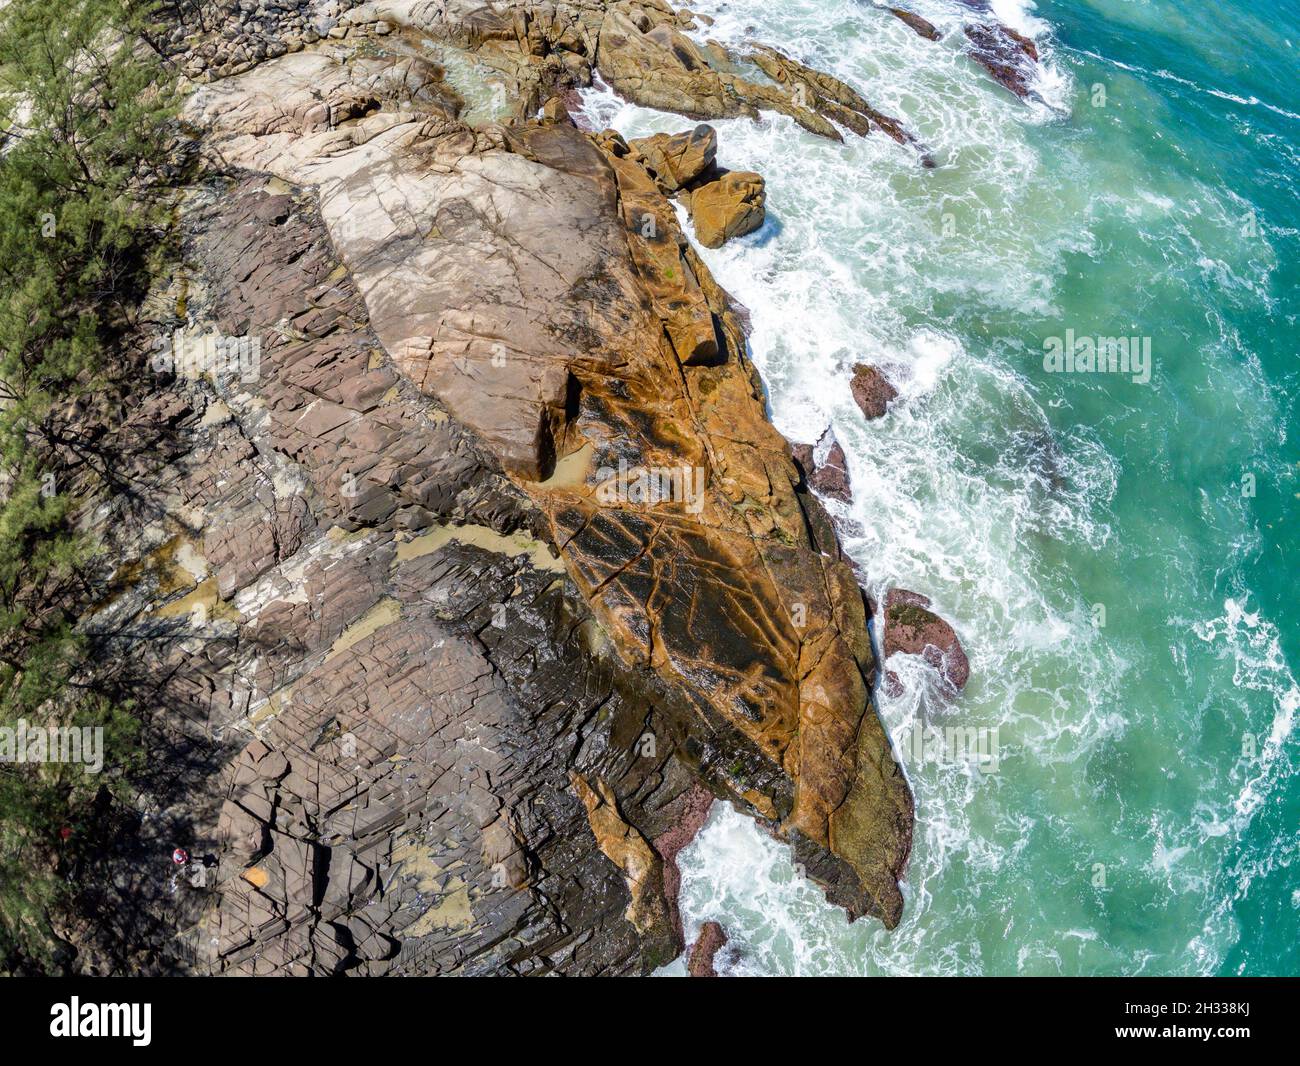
x=495, y=572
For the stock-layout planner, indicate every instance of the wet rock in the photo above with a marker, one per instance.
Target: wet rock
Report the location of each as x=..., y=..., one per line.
x=727, y=206
x=826, y=467
x=1007, y=55
x=639, y=49
x=689, y=813
x=712, y=939
x=647, y=59
x=627, y=849
x=833, y=98
x=920, y=25
x=911, y=628
x=872, y=391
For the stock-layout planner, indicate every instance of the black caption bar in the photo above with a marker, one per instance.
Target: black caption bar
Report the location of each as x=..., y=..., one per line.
x=160, y=1015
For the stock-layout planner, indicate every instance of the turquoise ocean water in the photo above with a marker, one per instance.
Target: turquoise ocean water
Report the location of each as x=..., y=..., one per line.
x=1118, y=556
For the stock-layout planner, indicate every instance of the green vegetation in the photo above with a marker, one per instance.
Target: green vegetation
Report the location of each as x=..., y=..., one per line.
x=907, y=614
x=86, y=117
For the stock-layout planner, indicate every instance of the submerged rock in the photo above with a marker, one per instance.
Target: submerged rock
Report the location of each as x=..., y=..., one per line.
x=712, y=939
x=872, y=391
x=911, y=628
x=1009, y=56
x=920, y=25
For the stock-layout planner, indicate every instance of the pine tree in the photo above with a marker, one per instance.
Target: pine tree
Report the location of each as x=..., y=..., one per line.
x=86, y=119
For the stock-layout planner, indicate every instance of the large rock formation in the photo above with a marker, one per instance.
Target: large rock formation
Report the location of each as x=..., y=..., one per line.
x=397, y=685
x=721, y=203
x=492, y=571
x=677, y=161
x=638, y=47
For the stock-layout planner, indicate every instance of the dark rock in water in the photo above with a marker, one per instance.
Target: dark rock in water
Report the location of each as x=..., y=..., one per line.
x=913, y=629
x=572, y=101
x=831, y=477
x=803, y=456
x=1041, y=454
x=1007, y=55
x=1026, y=44
x=833, y=98
x=872, y=391
x=920, y=25
x=712, y=939
x=688, y=813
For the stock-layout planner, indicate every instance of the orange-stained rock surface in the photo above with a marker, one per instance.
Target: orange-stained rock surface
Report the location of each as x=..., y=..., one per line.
x=730, y=205
x=456, y=613
x=626, y=848
x=534, y=279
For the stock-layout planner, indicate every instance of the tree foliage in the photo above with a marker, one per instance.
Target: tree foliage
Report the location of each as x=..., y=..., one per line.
x=86, y=119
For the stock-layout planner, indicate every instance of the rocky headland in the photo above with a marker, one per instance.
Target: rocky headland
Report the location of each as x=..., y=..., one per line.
x=462, y=570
